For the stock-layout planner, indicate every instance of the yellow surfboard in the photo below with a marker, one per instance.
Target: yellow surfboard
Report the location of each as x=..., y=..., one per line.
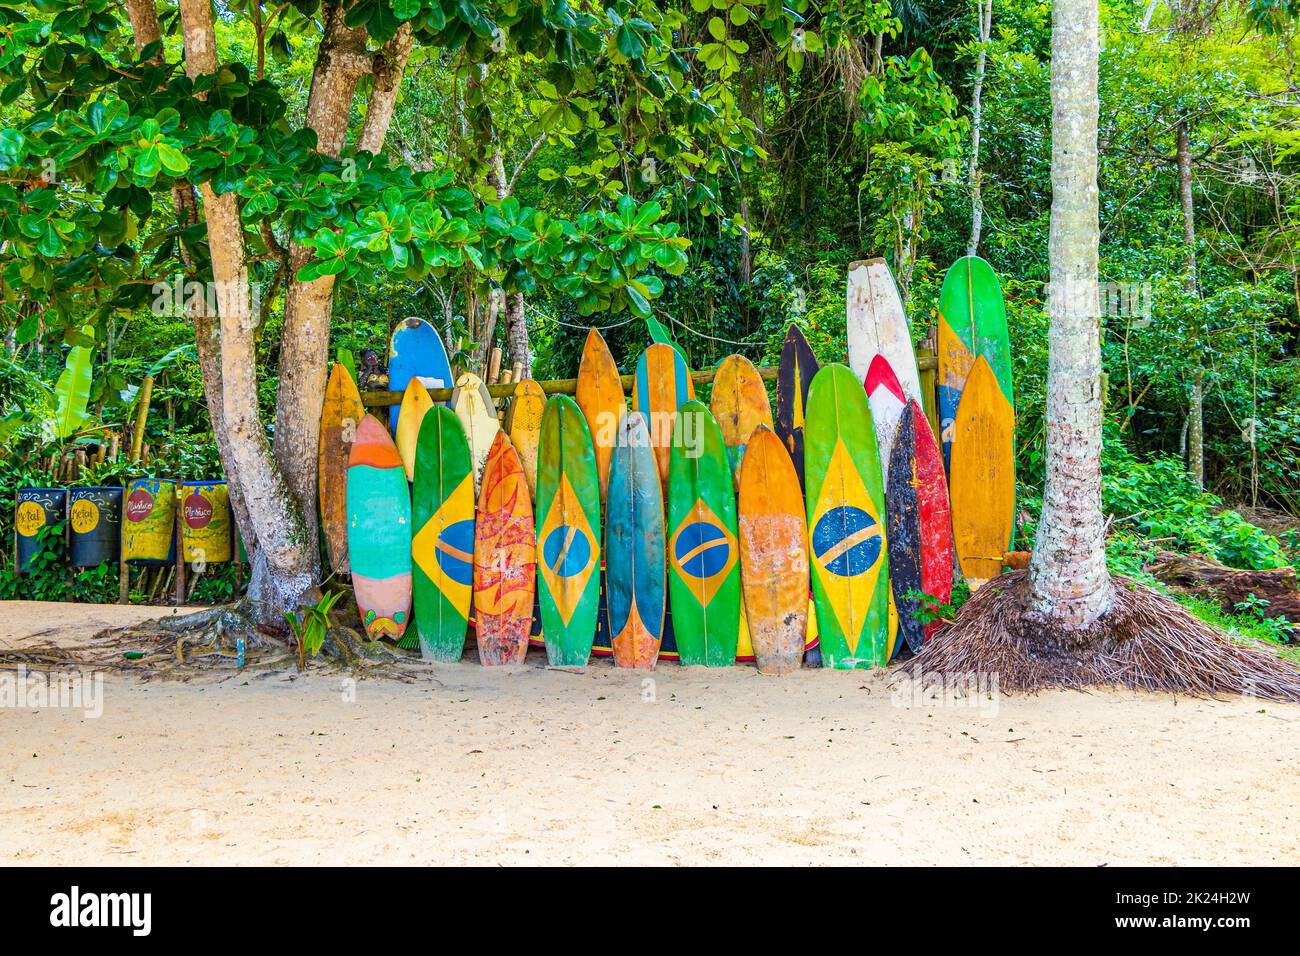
x=415, y=405
x=339, y=418
x=982, y=479
x=524, y=426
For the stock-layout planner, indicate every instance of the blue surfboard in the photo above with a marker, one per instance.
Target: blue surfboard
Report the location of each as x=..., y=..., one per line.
x=415, y=350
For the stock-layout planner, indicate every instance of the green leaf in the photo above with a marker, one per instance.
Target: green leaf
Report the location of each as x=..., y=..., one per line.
x=72, y=391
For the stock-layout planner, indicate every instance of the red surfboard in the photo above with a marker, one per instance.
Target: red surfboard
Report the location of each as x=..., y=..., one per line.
x=936, y=517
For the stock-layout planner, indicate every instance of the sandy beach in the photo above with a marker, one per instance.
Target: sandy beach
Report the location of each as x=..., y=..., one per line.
x=677, y=766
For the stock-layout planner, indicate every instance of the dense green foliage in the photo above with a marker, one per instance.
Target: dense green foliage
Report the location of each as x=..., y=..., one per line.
x=712, y=164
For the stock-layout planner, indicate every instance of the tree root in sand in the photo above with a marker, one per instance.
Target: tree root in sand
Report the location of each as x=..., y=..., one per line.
x=207, y=641
x=1146, y=641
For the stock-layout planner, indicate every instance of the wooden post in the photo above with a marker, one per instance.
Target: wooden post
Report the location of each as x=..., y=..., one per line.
x=179, y=511
x=494, y=365
x=142, y=416
x=927, y=363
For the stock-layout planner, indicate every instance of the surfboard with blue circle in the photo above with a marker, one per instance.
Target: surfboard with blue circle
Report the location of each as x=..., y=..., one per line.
x=568, y=533
x=703, y=552
x=845, y=502
x=415, y=350
x=442, y=550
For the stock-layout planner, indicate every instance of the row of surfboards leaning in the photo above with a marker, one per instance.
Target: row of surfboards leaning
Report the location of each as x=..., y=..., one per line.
x=665, y=528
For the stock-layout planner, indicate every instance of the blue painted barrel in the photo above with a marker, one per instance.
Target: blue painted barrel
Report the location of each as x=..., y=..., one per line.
x=94, y=525
x=37, y=508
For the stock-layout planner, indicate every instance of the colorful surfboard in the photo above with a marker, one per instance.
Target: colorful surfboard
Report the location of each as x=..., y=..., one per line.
x=505, y=567
x=662, y=385
x=415, y=405
x=773, y=554
x=982, y=477
x=877, y=325
x=339, y=418
x=442, y=549
x=888, y=403
x=919, y=524
x=524, y=426
x=600, y=396
x=846, y=522
x=703, y=554
x=739, y=403
x=379, y=531
x=795, y=374
x=634, y=547
x=473, y=405
x=972, y=322
x=415, y=350
x=568, y=534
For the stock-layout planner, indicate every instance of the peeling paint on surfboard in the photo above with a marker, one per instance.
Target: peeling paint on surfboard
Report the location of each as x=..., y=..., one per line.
x=773, y=554
x=505, y=549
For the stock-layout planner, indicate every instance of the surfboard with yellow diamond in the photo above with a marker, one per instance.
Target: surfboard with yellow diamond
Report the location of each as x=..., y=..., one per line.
x=442, y=549
x=568, y=533
x=703, y=553
x=845, y=499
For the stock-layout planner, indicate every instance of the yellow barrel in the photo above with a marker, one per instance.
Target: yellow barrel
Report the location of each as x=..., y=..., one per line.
x=148, y=522
x=205, y=522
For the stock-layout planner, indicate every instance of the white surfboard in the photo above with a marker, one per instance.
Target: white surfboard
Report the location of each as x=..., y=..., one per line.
x=877, y=325
x=888, y=403
x=473, y=405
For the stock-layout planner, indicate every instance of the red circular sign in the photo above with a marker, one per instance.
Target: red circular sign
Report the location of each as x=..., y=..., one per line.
x=198, y=511
x=140, y=505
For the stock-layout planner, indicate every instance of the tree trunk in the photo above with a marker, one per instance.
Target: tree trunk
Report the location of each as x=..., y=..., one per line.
x=309, y=306
x=282, y=541
x=977, y=112
x=1070, y=585
x=185, y=204
x=1192, y=283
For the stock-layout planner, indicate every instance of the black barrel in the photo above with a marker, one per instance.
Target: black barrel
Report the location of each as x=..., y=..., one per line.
x=37, y=508
x=94, y=525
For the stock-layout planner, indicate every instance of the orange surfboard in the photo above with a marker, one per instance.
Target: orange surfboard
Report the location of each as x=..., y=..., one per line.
x=339, y=418
x=773, y=553
x=982, y=478
x=740, y=404
x=600, y=396
x=505, y=558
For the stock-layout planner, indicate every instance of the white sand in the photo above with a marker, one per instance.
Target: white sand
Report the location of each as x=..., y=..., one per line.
x=610, y=766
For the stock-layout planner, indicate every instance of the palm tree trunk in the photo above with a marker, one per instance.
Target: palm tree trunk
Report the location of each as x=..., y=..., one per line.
x=1070, y=586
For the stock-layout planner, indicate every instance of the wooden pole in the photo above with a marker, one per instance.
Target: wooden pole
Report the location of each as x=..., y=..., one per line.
x=142, y=416
x=927, y=363
x=494, y=366
x=567, y=386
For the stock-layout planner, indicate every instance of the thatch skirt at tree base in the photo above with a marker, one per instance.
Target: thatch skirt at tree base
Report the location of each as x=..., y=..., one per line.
x=1146, y=641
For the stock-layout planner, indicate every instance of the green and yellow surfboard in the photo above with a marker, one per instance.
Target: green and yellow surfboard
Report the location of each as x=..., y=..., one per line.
x=845, y=502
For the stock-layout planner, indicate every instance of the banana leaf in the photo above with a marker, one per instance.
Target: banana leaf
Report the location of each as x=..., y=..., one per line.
x=72, y=390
